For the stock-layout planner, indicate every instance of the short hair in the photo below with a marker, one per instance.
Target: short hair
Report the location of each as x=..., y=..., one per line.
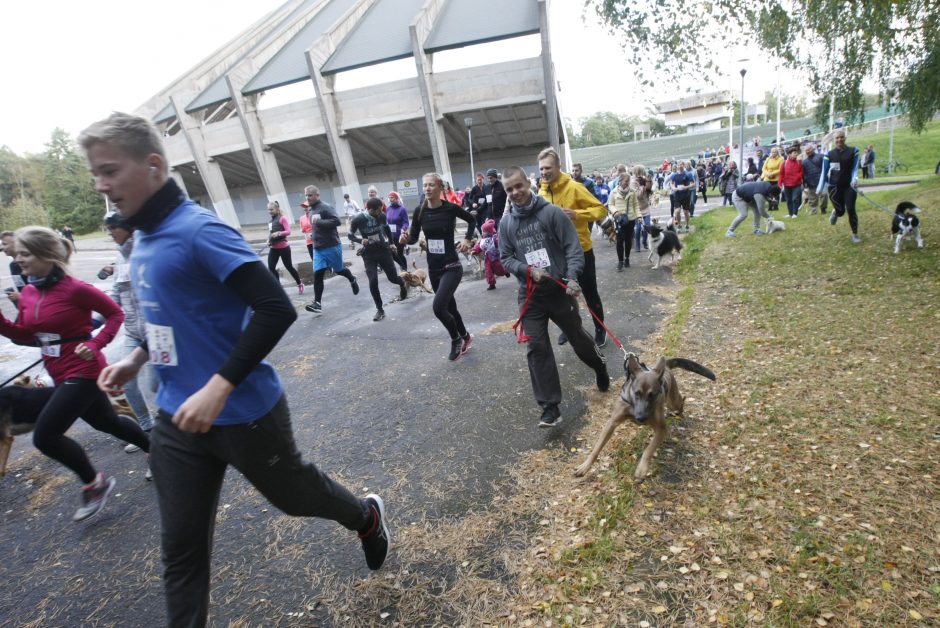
x=479, y=174
x=577, y=166
x=621, y=168
x=374, y=203
x=549, y=152
x=311, y=189
x=4, y=234
x=45, y=244
x=132, y=135
x=515, y=170
x=372, y=188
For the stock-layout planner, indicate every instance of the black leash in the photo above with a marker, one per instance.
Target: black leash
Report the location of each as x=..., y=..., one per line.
x=21, y=372
x=878, y=205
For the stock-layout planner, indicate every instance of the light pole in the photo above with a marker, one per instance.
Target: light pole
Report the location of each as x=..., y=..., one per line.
x=741, y=138
x=468, y=122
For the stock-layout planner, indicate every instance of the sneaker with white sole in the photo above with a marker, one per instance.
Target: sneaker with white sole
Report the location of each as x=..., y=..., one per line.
x=551, y=416
x=94, y=496
x=379, y=315
x=466, y=343
x=855, y=238
x=131, y=448
x=833, y=217
x=456, y=347
x=729, y=233
x=314, y=307
x=376, y=538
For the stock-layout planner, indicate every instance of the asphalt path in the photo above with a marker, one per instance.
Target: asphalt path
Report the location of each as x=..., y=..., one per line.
x=377, y=405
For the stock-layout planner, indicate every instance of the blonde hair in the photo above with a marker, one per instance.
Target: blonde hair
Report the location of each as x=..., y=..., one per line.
x=132, y=135
x=435, y=176
x=639, y=170
x=549, y=152
x=275, y=205
x=44, y=244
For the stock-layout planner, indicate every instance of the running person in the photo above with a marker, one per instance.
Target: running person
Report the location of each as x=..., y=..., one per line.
x=220, y=402
x=55, y=311
x=306, y=228
x=840, y=174
x=396, y=216
x=376, y=240
x=279, y=229
x=327, y=250
x=438, y=220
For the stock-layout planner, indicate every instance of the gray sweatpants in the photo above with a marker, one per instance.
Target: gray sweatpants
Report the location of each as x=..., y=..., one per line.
x=188, y=470
x=757, y=206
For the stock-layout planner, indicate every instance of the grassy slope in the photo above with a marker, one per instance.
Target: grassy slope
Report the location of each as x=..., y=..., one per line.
x=918, y=154
x=804, y=488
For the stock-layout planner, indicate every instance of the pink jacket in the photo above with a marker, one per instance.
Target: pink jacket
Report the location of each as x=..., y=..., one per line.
x=65, y=309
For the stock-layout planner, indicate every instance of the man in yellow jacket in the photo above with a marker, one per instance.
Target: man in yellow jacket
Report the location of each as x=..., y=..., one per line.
x=581, y=207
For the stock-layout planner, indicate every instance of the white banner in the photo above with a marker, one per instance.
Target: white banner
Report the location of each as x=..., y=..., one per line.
x=408, y=187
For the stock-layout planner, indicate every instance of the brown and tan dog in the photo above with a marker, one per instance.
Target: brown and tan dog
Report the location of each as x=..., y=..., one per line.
x=644, y=397
x=415, y=279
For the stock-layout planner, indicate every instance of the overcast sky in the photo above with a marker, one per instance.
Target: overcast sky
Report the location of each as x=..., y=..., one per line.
x=66, y=63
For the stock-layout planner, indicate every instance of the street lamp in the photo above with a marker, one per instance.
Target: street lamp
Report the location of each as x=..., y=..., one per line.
x=468, y=122
x=741, y=138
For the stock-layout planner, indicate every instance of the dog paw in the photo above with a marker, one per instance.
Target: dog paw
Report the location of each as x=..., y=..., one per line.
x=580, y=471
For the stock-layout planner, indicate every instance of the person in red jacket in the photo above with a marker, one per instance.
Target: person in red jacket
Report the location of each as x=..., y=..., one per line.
x=790, y=181
x=55, y=315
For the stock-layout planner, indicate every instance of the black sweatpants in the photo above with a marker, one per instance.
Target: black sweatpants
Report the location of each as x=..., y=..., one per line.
x=284, y=256
x=588, y=281
x=188, y=470
x=551, y=303
x=74, y=398
x=444, y=282
x=843, y=201
x=624, y=239
x=372, y=263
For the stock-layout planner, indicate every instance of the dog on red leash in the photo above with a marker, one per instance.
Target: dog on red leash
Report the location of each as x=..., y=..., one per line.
x=645, y=397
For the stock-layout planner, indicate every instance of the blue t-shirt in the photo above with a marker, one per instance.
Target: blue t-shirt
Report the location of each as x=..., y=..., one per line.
x=193, y=319
x=682, y=178
x=602, y=192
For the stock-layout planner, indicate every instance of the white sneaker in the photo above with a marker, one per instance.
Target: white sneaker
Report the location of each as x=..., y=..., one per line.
x=131, y=448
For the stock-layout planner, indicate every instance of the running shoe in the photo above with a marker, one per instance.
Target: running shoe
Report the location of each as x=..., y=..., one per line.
x=729, y=233
x=354, y=284
x=131, y=448
x=314, y=307
x=855, y=238
x=455, y=349
x=758, y=232
x=600, y=338
x=833, y=217
x=402, y=292
x=94, y=496
x=379, y=315
x=300, y=288
x=551, y=416
x=492, y=286
x=376, y=539
x=562, y=339
x=467, y=343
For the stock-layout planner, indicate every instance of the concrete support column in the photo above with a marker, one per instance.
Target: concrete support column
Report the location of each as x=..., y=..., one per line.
x=548, y=74
x=264, y=158
x=419, y=32
x=210, y=171
x=339, y=145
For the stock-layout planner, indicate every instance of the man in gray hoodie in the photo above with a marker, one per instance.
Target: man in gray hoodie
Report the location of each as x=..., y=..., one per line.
x=537, y=241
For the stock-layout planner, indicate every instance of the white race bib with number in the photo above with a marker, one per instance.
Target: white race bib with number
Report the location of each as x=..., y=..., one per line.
x=538, y=259
x=122, y=273
x=161, y=344
x=489, y=198
x=481, y=200
x=393, y=227
x=46, y=349
x=835, y=166
x=436, y=246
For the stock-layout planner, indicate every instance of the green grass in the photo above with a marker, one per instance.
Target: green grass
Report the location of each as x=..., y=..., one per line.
x=918, y=154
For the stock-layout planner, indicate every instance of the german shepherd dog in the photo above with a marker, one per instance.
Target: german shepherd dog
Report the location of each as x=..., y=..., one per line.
x=644, y=397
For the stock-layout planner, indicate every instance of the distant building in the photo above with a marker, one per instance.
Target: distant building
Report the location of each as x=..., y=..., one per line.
x=697, y=112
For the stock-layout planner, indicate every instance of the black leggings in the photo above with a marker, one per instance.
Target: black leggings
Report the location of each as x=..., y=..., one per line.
x=843, y=201
x=399, y=256
x=74, y=398
x=318, y=281
x=372, y=265
x=284, y=256
x=588, y=281
x=624, y=238
x=444, y=282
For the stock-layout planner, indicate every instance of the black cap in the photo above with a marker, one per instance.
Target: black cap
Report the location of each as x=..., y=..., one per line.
x=492, y=172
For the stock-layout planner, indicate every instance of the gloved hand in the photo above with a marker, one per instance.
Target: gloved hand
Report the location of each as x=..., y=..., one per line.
x=537, y=274
x=574, y=289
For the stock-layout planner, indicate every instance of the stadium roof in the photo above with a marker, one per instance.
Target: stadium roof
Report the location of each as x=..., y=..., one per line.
x=468, y=23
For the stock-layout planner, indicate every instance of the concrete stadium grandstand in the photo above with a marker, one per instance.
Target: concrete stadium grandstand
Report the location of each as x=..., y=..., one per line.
x=233, y=151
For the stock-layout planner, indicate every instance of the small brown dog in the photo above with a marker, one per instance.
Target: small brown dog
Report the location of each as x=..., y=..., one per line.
x=415, y=279
x=644, y=397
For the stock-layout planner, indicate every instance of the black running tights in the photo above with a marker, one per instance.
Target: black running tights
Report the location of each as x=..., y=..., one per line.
x=284, y=256
x=76, y=398
x=318, y=281
x=444, y=283
x=372, y=264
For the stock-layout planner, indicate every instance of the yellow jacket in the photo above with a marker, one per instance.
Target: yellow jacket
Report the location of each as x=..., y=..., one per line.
x=569, y=194
x=771, y=169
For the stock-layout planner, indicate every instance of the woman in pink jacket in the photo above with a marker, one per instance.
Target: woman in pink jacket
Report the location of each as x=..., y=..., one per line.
x=55, y=312
x=280, y=248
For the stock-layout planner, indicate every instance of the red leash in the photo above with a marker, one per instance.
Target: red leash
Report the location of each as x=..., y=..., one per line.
x=530, y=290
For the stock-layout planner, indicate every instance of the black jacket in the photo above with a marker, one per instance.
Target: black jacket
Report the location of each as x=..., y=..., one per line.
x=325, y=233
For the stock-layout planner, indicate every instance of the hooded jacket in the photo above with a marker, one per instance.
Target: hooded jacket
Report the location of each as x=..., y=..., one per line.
x=545, y=227
x=123, y=293
x=567, y=193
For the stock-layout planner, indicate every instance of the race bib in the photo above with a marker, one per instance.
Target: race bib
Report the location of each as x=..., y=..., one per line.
x=538, y=259
x=835, y=166
x=393, y=227
x=46, y=349
x=436, y=246
x=161, y=344
x=122, y=273
x=489, y=198
x=481, y=200
x=308, y=236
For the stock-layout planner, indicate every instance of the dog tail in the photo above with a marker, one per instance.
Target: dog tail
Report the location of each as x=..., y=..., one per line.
x=690, y=365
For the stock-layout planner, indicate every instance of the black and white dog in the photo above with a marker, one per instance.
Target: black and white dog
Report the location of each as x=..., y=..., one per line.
x=906, y=224
x=663, y=242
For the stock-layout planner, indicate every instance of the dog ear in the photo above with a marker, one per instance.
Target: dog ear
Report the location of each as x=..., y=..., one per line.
x=632, y=365
x=660, y=367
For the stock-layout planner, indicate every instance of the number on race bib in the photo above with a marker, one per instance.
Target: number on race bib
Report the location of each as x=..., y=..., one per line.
x=46, y=349
x=162, y=345
x=538, y=259
x=436, y=247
